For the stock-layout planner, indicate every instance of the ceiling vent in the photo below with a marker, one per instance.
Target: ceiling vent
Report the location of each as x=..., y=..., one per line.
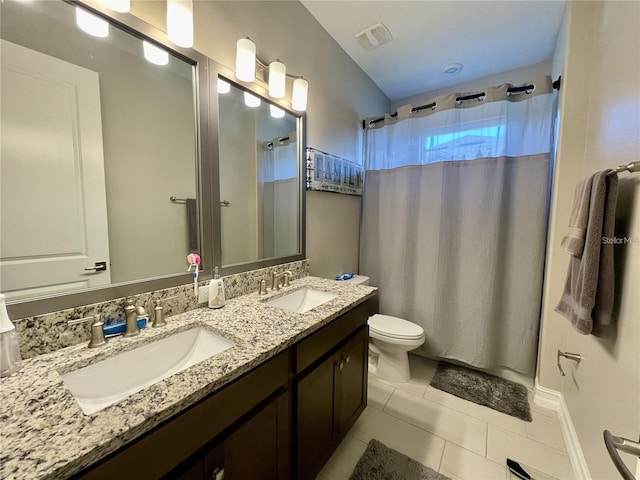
x=374, y=36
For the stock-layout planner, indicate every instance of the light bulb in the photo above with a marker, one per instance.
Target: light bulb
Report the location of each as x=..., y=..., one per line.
x=277, y=79
x=276, y=112
x=122, y=6
x=155, y=54
x=299, y=96
x=91, y=24
x=246, y=60
x=223, y=87
x=180, y=22
x=251, y=100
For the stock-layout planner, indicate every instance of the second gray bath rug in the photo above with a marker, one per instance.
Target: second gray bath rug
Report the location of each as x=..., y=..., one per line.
x=502, y=395
x=379, y=462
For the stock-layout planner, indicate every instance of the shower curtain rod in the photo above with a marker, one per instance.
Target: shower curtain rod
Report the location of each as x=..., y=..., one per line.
x=479, y=96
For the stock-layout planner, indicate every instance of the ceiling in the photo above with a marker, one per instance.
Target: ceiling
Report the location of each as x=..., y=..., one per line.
x=486, y=37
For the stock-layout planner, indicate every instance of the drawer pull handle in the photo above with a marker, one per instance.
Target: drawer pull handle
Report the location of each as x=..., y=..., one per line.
x=340, y=365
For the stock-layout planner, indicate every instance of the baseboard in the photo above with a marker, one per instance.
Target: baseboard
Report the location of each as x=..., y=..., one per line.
x=554, y=400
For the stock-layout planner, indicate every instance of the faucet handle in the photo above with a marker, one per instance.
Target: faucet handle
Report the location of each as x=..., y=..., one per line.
x=158, y=312
x=263, y=287
x=97, y=332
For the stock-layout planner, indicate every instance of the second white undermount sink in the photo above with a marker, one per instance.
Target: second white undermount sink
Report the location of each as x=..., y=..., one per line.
x=302, y=300
x=104, y=383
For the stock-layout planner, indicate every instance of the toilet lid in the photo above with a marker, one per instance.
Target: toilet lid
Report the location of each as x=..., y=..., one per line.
x=394, y=327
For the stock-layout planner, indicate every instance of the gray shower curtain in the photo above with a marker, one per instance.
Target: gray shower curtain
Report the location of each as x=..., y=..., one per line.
x=455, y=244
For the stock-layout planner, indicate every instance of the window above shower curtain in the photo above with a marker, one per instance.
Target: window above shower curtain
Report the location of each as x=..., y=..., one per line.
x=497, y=124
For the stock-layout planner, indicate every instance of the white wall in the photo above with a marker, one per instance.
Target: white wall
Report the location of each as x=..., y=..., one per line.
x=340, y=96
x=516, y=77
x=599, y=54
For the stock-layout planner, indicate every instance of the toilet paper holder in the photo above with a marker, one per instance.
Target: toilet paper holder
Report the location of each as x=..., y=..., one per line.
x=576, y=357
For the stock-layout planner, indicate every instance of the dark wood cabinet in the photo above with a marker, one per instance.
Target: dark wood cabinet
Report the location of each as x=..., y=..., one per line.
x=258, y=450
x=351, y=382
x=330, y=388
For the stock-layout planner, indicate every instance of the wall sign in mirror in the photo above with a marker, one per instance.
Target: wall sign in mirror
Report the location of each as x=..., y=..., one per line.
x=328, y=173
x=97, y=134
x=259, y=178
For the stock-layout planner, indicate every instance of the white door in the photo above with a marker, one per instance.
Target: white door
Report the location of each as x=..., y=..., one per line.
x=53, y=222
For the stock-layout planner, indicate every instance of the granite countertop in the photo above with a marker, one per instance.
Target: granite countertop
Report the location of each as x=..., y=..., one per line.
x=45, y=434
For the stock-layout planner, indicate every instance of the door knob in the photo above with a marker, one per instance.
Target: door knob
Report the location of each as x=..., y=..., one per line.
x=98, y=267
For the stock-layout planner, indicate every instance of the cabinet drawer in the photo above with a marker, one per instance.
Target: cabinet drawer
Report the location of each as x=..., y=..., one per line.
x=312, y=348
x=159, y=451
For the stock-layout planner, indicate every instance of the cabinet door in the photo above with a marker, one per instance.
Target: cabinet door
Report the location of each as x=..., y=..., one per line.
x=258, y=450
x=315, y=419
x=351, y=382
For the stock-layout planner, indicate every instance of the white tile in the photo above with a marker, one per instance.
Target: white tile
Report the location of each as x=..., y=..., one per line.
x=422, y=371
x=502, y=444
x=546, y=430
x=480, y=412
x=466, y=431
x=461, y=464
x=378, y=393
x=341, y=464
x=412, y=441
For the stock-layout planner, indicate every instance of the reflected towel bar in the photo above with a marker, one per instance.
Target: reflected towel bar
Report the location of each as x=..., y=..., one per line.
x=223, y=203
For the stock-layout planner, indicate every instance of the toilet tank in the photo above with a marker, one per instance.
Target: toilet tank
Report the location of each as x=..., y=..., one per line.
x=357, y=280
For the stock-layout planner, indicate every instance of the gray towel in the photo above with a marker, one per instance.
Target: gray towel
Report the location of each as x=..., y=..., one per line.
x=192, y=224
x=573, y=241
x=587, y=300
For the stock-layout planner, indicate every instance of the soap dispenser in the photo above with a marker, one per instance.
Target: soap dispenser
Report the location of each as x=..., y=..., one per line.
x=10, y=359
x=216, y=291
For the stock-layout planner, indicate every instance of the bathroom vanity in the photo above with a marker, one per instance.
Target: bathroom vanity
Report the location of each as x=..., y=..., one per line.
x=273, y=406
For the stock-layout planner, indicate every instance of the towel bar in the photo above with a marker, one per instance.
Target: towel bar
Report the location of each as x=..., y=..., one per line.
x=629, y=167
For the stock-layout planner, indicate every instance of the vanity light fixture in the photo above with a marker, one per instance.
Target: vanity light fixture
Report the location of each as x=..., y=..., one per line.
x=277, y=79
x=180, y=22
x=246, y=62
x=154, y=54
x=91, y=24
x=251, y=100
x=223, y=87
x=276, y=112
x=299, y=97
x=122, y=6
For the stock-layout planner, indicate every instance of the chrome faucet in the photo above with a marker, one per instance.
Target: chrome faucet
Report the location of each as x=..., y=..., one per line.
x=275, y=279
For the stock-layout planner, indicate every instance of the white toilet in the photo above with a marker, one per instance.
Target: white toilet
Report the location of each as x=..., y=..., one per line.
x=391, y=339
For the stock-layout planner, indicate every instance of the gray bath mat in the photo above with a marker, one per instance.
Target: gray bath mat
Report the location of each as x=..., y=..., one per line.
x=380, y=462
x=502, y=395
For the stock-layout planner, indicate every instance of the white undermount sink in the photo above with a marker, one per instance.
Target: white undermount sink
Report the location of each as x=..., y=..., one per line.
x=302, y=300
x=107, y=382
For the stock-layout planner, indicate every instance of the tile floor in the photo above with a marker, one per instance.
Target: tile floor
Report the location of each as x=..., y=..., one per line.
x=460, y=439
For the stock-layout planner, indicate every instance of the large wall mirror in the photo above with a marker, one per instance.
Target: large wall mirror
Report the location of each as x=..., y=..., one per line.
x=110, y=173
x=259, y=159
x=98, y=133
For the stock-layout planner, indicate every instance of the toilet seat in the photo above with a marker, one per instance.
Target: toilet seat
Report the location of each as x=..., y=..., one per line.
x=393, y=327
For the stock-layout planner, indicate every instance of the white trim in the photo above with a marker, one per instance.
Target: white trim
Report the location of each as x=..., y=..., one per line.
x=554, y=400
